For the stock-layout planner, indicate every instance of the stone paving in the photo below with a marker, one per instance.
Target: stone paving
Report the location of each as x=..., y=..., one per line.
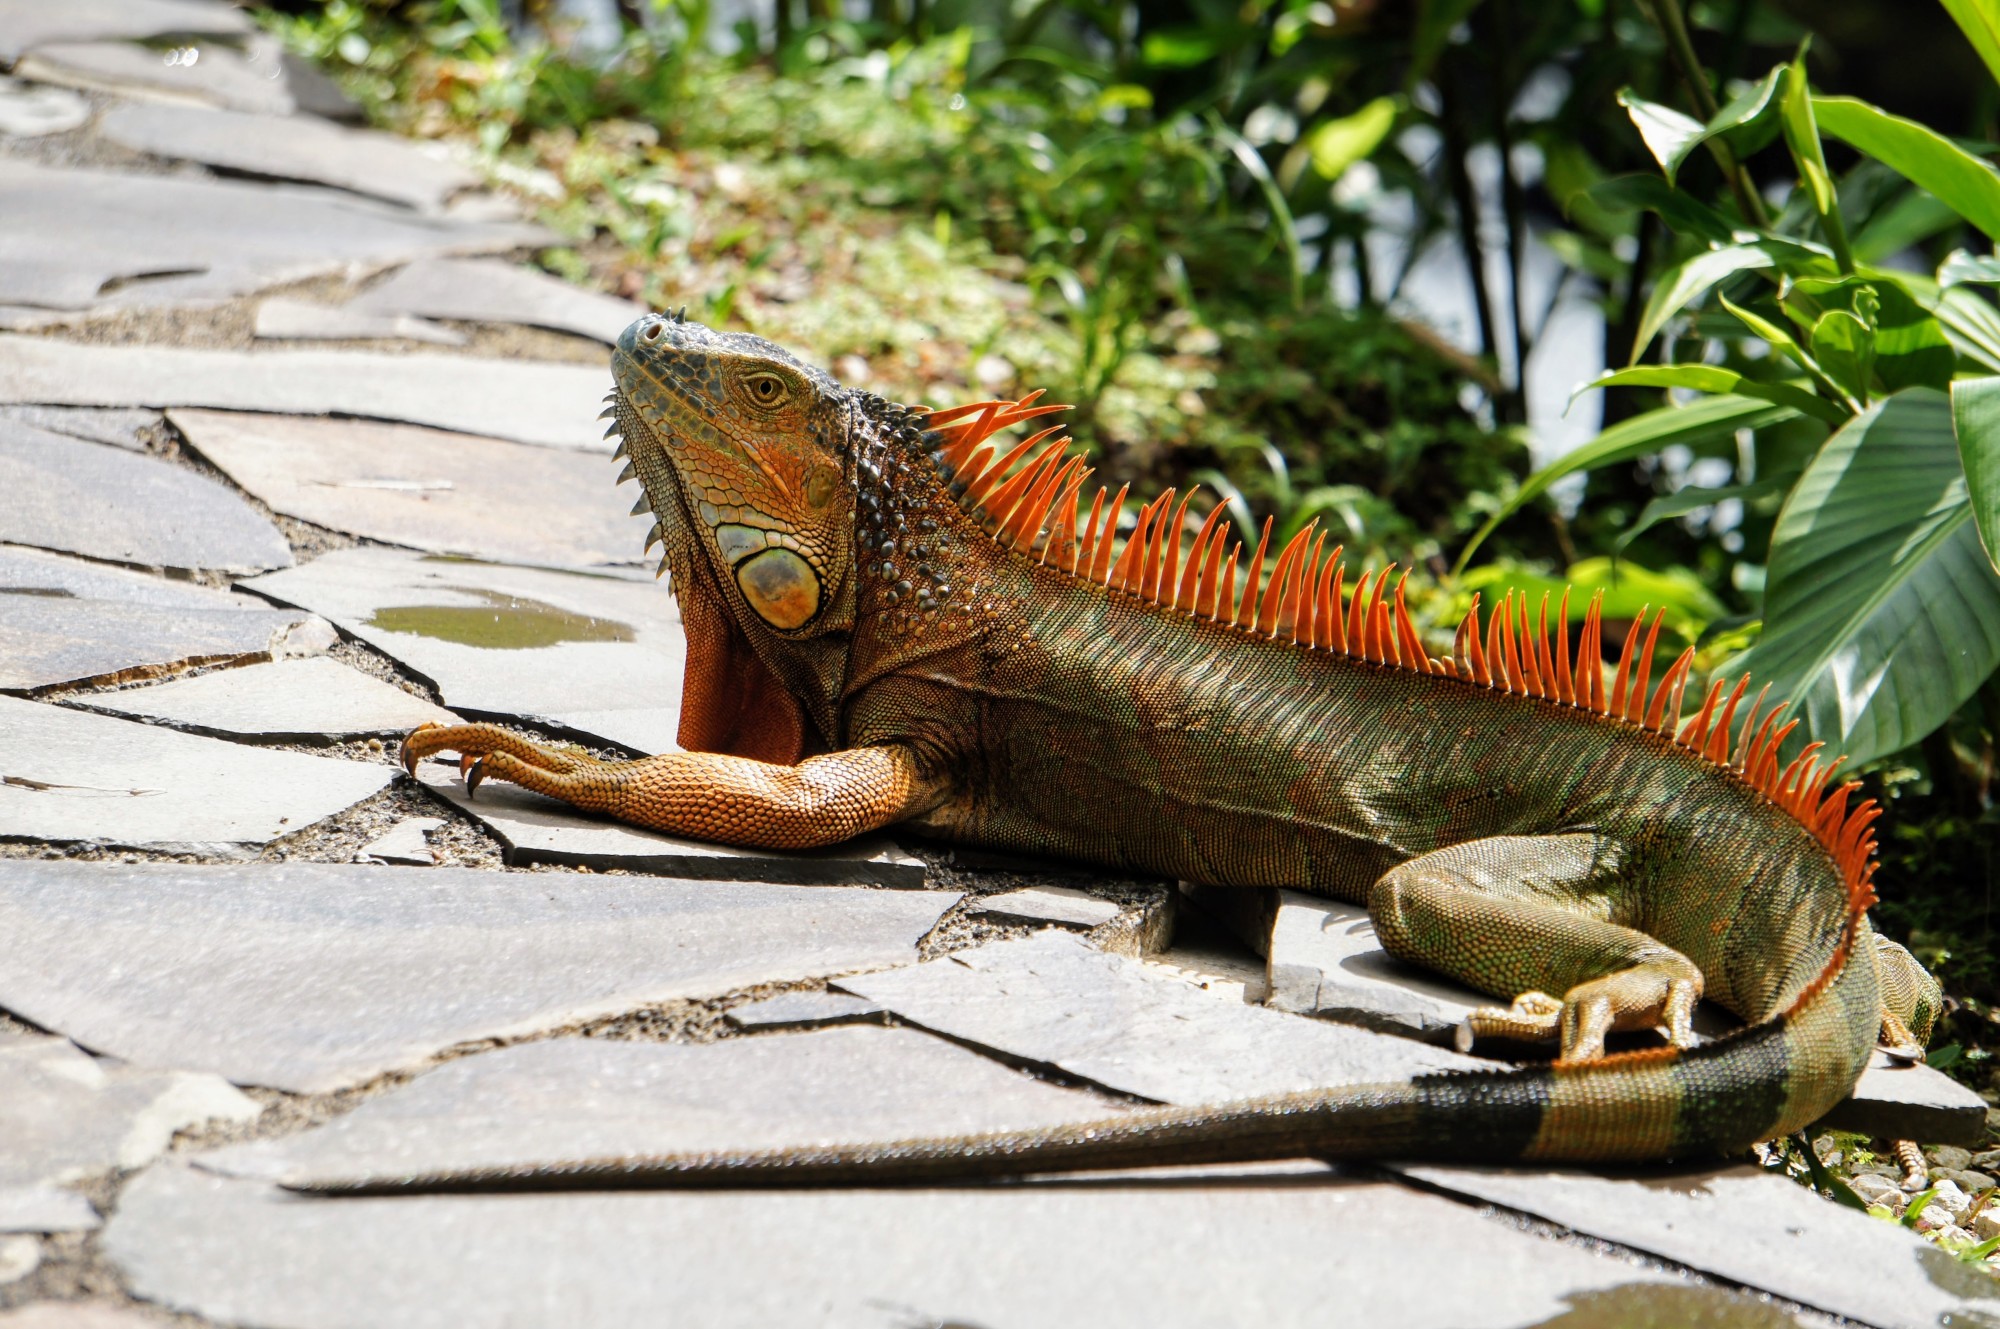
x=296, y=452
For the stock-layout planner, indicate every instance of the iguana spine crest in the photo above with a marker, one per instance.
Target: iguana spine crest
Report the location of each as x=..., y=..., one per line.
x=1027, y=498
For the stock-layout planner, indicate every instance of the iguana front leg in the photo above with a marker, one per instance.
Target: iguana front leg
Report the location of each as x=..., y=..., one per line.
x=1524, y=916
x=709, y=796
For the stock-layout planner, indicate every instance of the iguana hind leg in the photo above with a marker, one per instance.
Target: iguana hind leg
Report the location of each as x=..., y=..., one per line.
x=710, y=796
x=1525, y=916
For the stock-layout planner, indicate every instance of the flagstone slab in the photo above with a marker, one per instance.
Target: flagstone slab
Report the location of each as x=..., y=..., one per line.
x=218, y=75
x=279, y=319
x=1325, y=959
x=598, y=655
x=361, y=161
x=426, y=489
x=124, y=507
x=553, y=405
x=285, y=701
x=45, y=1209
x=1094, y=1254
x=67, y=1116
x=535, y=829
x=30, y=111
x=84, y=239
x=71, y=777
x=1054, y=1000
x=802, y=1010
x=1750, y=1227
x=120, y=427
x=66, y=621
x=1061, y=906
x=1894, y=1101
x=572, y=1100
x=493, y=291
x=316, y=976
x=407, y=843
x=29, y=23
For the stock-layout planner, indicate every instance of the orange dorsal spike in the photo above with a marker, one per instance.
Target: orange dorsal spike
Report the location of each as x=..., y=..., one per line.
x=1590, y=656
x=1626, y=658
x=1412, y=645
x=1062, y=543
x=1086, y=548
x=1225, y=596
x=1100, y=560
x=1475, y=654
x=1467, y=626
x=1717, y=749
x=1152, y=537
x=1017, y=513
x=938, y=419
x=1304, y=607
x=1004, y=495
x=1767, y=769
x=1333, y=621
x=1750, y=727
x=1187, y=598
x=1032, y=516
x=1211, y=578
x=1545, y=658
x=1124, y=575
x=1565, y=680
x=1357, y=617
x=1253, y=580
x=981, y=490
x=1166, y=590
x=1509, y=656
x=1695, y=734
x=1272, y=609
x=1381, y=631
x=1496, y=654
x=1668, y=696
x=1635, y=704
x=1531, y=668
x=1759, y=744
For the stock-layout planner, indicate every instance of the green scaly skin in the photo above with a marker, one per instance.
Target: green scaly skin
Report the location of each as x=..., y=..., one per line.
x=1517, y=844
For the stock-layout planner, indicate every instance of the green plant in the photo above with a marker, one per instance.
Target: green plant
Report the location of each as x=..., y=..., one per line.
x=1863, y=394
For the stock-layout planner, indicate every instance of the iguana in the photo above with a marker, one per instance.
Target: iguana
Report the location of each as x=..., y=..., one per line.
x=891, y=617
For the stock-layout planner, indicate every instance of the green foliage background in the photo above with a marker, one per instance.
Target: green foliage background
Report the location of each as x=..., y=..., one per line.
x=1784, y=213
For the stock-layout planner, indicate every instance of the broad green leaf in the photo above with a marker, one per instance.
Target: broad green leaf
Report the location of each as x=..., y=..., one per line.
x=1919, y=155
x=1338, y=144
x=1717, y=381
x=1683, y=213
x=1669, y=135
x=1693, y=499
x=1844, y=346
x=1980, y=21
x=1975, y=418
x=1781, y=342
x=1638, y=436
x=1911, y=349
x=1881, y=611
x=1960, y=267
x=1746, y=124
x=1972, y=325
x=1680, y=285
x=1910, y=220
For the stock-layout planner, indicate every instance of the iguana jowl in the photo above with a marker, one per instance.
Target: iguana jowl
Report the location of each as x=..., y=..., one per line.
x=891, y=617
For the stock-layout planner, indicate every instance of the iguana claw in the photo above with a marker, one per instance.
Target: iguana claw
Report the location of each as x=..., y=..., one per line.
x=474, y=771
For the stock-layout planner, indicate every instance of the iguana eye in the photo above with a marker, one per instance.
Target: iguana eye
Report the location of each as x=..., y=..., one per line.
x=766, y=389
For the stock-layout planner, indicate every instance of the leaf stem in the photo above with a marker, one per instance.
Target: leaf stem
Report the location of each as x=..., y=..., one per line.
x=1667, y=17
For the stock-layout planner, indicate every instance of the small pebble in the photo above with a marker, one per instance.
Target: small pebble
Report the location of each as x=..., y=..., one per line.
x=1950, y=1199
x=1950, y=1156
x=1876, y=1189
x=1972, y=1183
x=1986, y=1224
x=1987, y=1158
x=1951, y=1234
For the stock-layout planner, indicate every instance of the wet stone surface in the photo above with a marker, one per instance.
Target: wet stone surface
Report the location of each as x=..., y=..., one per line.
x=598, y=656
x=313, y=977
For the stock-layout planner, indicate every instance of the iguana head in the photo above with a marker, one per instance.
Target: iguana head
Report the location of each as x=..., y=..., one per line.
x=742, y=451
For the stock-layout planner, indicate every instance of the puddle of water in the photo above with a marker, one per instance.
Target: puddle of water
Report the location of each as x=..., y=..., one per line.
x=1668, y=1306
x=501, y=623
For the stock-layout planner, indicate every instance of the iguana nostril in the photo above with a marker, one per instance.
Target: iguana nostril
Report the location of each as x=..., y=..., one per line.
x=652, y=332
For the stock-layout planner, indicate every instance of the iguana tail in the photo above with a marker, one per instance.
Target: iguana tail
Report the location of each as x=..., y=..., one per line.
x=1767, y=1080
